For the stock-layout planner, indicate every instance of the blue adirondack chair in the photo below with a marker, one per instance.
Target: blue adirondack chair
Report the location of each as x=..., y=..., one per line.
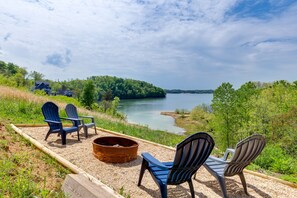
x=190, y=154
x=50, y=112
x=71, y=112
x=244, y=153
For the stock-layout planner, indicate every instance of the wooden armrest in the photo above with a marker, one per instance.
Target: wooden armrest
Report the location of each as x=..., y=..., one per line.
x=149, y=158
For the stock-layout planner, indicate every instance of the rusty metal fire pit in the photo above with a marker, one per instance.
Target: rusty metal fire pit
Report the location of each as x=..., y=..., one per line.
x=114, y=149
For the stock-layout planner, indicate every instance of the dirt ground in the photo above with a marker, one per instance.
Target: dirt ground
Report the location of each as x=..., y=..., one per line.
x=124, y=177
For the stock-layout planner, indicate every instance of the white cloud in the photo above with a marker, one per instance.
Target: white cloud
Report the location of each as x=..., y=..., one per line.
x=173, y=44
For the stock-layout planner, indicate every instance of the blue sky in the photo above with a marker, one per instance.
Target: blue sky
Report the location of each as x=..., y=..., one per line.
x=173, y=44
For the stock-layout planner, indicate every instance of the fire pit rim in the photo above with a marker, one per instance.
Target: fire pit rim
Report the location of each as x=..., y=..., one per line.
x=113, y=153
x=107, y=146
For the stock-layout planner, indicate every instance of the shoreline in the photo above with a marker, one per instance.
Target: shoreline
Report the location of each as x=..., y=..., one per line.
x=174, y=115
x=169, y=113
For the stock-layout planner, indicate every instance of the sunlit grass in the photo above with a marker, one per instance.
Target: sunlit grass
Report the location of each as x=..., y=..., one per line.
x=20, y=172
x=21, y=107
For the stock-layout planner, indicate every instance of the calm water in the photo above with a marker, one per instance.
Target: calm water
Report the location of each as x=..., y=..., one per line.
x=147, y=111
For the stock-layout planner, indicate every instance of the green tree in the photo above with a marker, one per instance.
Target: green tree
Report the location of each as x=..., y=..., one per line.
x=36, y=76
x=56, y=86
x=22, y=71
x=88, y=95
x=224, y=109
x=3, y=67
x=201, y=116
x=19, y=79
x=114, y=105
x=12, y=69
x=284, y=127
x=107, y=95
x=243, y=106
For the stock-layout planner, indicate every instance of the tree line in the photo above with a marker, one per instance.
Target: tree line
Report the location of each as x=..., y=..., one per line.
x=126, y=88
x=179, y=91
x=269, y=109
x=15, y=75
x=101, y=93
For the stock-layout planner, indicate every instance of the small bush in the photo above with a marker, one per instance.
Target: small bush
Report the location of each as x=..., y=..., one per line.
x=181, y=111
x=284, y=166
x=199, y=113
x=40, y=92
x=275, y=159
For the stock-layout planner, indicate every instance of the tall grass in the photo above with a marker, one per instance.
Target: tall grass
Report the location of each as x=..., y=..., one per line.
x=21, y=107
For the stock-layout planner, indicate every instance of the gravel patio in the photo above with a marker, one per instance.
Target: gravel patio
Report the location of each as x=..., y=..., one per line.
x=125, y=176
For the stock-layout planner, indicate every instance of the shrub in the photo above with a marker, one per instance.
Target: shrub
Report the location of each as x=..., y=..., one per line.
x=275, y=159
x=40, y=92
x=181, y=111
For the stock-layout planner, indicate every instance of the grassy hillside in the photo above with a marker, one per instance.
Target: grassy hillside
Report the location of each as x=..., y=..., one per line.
x=26, y=171
x=40, y=175
x=19, y=107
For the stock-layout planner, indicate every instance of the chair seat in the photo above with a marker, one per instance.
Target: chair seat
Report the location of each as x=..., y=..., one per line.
x=160, y=174
x=66, y=129
x=70, y=129
x=88, y=125
x=215, y=165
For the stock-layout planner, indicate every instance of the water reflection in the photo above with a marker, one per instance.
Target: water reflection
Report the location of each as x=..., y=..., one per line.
x=147, y=111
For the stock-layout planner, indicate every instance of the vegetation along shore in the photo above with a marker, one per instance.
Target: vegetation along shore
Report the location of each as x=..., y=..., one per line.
x=263, y=108
x=269, y=109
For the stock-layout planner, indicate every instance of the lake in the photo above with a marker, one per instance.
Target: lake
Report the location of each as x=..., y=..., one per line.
x=147, y=111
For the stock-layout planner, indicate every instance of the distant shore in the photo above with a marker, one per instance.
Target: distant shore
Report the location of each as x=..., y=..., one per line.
x=177, y=118
x=168, y=113
x=179, y=91
x=173, y=114
x=184, y=120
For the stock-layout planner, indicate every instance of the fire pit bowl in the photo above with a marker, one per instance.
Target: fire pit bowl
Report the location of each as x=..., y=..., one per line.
x=114, y=149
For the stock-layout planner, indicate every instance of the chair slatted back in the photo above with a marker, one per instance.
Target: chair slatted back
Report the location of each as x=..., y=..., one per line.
x=50, y=111
x=71, y=112
x=245, y=152
x=190, y=155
